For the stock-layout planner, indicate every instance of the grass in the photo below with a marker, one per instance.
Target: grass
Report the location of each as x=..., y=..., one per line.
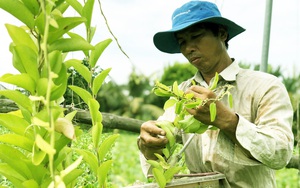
x=288, y=178
x=126, y=169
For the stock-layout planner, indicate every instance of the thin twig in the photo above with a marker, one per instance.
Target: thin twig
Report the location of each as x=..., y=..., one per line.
x=179, y=154
x=111, y=31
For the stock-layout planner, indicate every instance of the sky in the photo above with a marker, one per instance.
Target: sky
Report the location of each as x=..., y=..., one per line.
x=134, y=22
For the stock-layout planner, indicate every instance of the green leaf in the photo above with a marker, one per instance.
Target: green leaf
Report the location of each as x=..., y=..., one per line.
x=159, y=177
x=162, y=161
x=87, y=12
x=160, y=158
x=9, y=121
x=65, y=24
x=98, y=81
x=40, y=22
x=18, y=10
x=94, y=110
x=170, y=102
x=215, y=83
x=55, y=60
x=166, y=151
x=92, y=32
x=32, y=5
x=106, y=146
x=75, y=35
x=155, y=164
x=202, y=128
x=16, y=159
x=11, y=174
x=175, y=89
x=189, y=124
x=61, y=82
x=85, y=95
x=38, y=171
x=19, y=98
x=70, y=44
x=44, y=145
x=72, y=176
x=76, y=5
x=70, y=116
x=41, y=87
x=163, y=86
x=17, y=140
x=61, y=6
x=20, y=37
x=42, y=116
x=96, y=53
x=213, y=111
x=71, y=167
x=230, y=100
x=193, y=104
x=162, y=92
x=62, y=142
x=16, y=61
x=30, y=183
x=90, y=158
x=21, y=80
x=96, y=133
x=103, y=171
x=80, y=68
x=61, y=157
x=189, y=96
x=28, y=58
x=179, y=107
x=169, y=174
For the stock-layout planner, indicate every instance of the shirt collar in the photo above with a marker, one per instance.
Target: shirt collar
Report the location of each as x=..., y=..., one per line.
x=228, y=74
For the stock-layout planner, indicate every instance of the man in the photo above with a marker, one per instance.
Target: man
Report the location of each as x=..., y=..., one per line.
x=254, y=137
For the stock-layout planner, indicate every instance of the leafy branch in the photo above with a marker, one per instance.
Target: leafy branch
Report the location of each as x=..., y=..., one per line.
x=167, y=164
x=36, y=152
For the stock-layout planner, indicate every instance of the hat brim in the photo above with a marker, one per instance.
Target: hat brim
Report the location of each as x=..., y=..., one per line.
x=166, y=41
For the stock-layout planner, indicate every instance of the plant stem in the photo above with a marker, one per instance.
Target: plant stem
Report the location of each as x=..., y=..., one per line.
x=179, y=154
x=48, y=102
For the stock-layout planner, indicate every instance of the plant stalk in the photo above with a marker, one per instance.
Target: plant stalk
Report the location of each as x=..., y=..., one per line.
x=48, y=102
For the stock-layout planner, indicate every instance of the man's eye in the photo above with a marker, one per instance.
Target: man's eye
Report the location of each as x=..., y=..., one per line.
x=196, y=36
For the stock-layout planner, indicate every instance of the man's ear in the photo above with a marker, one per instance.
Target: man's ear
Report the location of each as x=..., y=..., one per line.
x=223, y=34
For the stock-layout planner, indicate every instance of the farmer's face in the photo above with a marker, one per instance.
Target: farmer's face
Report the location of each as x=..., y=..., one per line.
x=202, y=48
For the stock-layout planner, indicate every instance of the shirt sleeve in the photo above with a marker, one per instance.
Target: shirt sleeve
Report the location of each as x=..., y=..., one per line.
x=269, y=138
x=144, y=165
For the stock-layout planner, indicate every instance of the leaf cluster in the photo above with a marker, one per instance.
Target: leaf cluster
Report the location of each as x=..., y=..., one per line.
x=180, y=102
x=35, y=152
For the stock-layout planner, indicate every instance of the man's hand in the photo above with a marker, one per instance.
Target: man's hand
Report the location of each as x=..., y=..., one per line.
x=152, y=140
x=226, y=119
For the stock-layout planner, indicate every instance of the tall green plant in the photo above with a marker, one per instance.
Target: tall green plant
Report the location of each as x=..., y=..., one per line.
x=35, y=153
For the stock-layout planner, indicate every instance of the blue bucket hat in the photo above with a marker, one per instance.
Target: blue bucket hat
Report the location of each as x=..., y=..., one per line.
x=187, y=15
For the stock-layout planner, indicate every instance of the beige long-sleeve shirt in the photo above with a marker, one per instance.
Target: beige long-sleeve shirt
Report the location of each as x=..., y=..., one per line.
x=264, y=130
